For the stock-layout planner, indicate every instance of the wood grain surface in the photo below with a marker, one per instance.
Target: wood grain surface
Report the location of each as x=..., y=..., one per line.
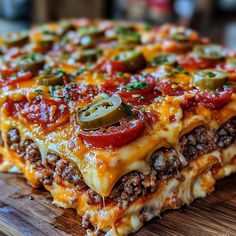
x=27, y=211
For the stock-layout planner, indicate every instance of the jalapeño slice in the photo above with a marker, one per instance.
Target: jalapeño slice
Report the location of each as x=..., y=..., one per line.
x=102, y=113
x=231, y=61
x=86, y=55
x=16, y=39
x=210, y=79
x=180, y=34
x=33, y=62
x=46, y=41
x=48, y=79
x=133, y=60
x=209, y=52
x=164, y=59
x=92, y=31
x=65, y=27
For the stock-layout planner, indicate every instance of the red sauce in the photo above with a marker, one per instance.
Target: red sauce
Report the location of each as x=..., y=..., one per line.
x=11, y=77
x=215, y=169
x=1, y=159
x=141, y=100
x=111, y=67
x=151, y=117
x=188, y=103
x=172, y=118
x=214, y=100
x=45, y=112
x=169, y=88
x=211, y=100
x=75, y=92
x=189, y=61
x=12, y=108
x=14, y=52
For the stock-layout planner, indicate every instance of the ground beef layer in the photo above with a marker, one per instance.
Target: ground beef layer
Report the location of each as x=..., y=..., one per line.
x=164, y=163
x=55, y=166
x=226, y=133
x=197, y=142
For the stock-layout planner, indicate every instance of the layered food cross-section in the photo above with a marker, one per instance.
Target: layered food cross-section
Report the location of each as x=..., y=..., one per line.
x=118, y=120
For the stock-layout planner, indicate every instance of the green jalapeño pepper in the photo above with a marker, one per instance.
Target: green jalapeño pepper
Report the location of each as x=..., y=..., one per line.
x=92, y=31
x=133, y=60
x=49, y=79
x=128, y=41
x=164, y=59
x=86, y=55
x=102, y=113
x=231, y=61
x=209, y=52
x=180, y=34
x=32, y=62
x=46, y=41
x=210, y=79
x=16, y=39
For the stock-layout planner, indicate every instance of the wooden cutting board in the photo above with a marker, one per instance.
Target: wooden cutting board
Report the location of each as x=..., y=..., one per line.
x=27, y=211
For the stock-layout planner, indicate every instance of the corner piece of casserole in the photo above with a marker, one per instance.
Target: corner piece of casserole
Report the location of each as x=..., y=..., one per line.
x=118, y=120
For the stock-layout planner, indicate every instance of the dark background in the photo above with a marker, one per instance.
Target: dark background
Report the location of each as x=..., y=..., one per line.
x=212, y=18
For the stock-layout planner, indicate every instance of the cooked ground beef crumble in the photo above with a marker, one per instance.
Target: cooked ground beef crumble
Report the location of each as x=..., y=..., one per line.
x=164, y=163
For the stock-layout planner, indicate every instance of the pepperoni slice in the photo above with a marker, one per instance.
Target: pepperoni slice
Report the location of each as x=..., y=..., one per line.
x=214, y=100
x=115, y=136
x=149, y=84
x=192, y=62
x=48, y=113
x=169, y=88
x=111, y=67
x=12, y=76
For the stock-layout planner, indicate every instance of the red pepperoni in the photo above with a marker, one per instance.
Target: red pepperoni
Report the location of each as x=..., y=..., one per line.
x=168, y=88
x=115, y=136
x=150, y=80
x=151, y=117
x=111, y=67
x=192, y=62
x=214, y=100
x=172, y=118
x=47, y=113
x=75, y=92
x=11, y=76
x=12, y=108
